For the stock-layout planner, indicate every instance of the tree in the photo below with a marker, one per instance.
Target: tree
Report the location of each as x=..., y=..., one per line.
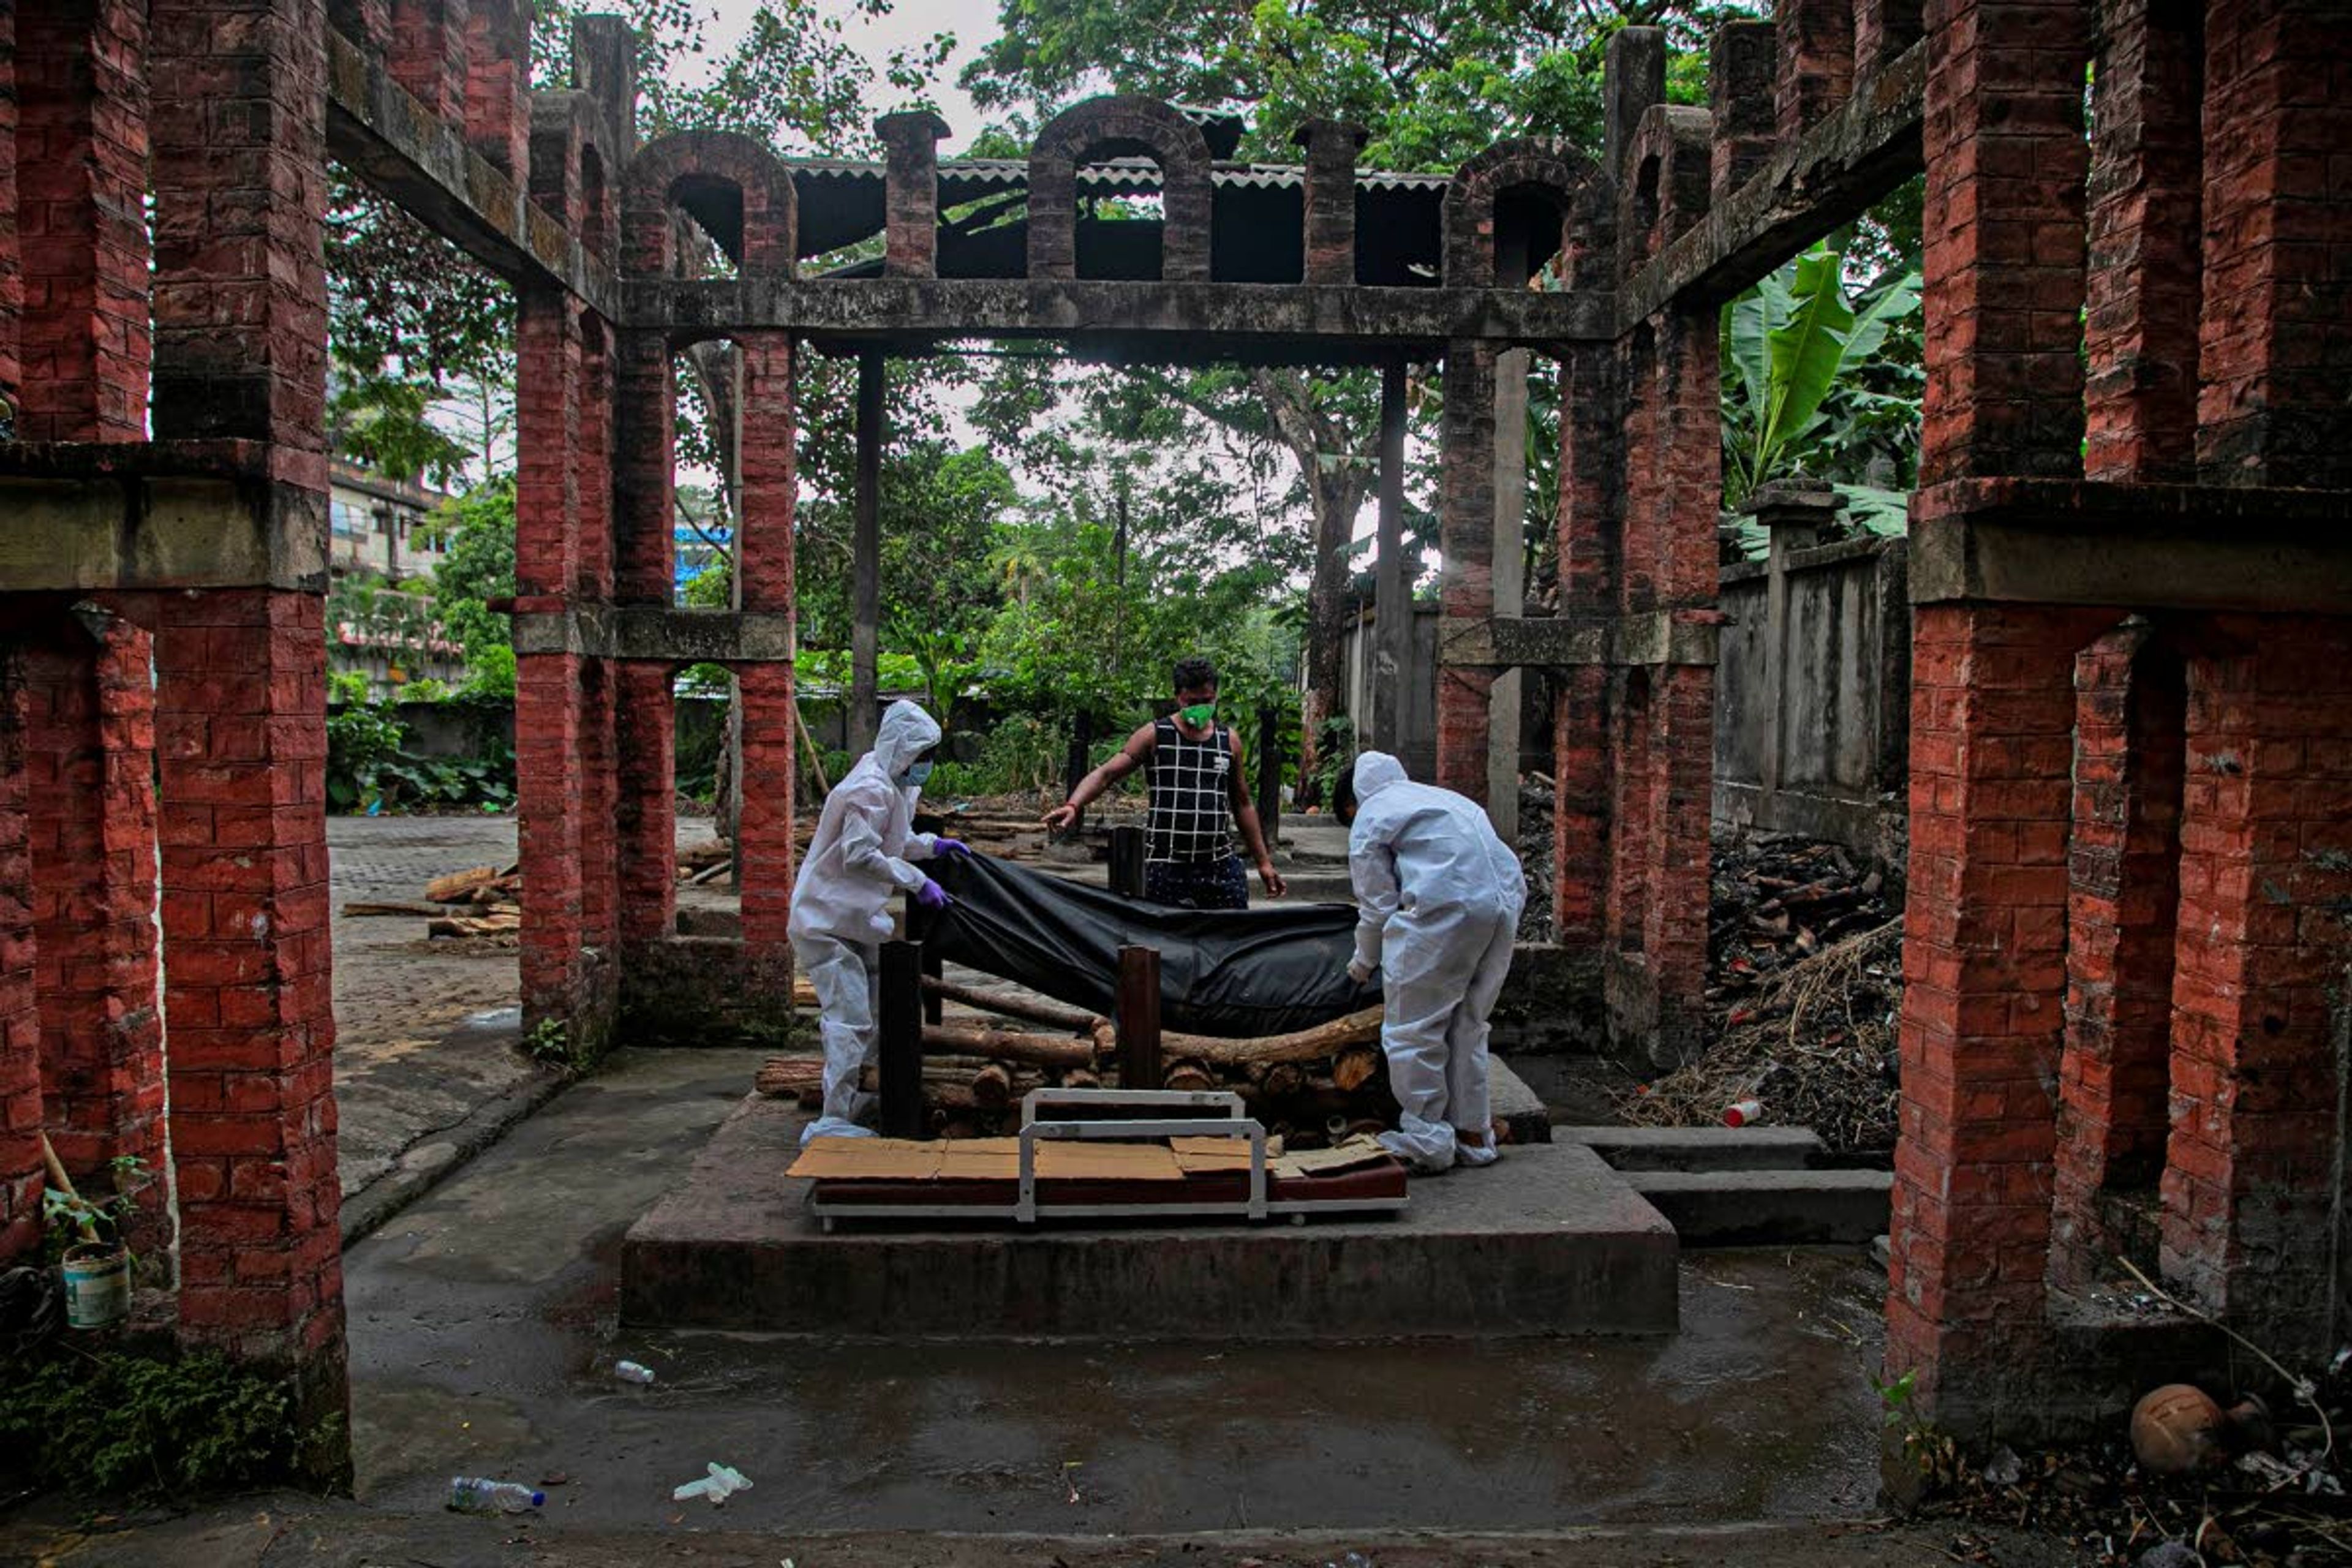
x=479, y=565
x=1801, y=391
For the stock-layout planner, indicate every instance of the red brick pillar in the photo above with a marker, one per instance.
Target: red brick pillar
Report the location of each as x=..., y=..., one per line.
x=1992, y=718
x=2141, y=327
x=1329, y=197
x=592, y=582
x=2278, y=216
x=81, y=185
x=644, y=818
x=911, y=184
x=498, y=84
x=428, y=54
x=2260, y=973
x=21, y=1175
x=90, y=759
x=1883, y=31
x=763, y=556
x=1588, y=524
x=1467, y=540
x=547, y=685
x=2004, y=232
x=2121, y=866
x=1741, y=72
x=240, y=287
x=1815, y=39
x=12, y=264
x=240, y=719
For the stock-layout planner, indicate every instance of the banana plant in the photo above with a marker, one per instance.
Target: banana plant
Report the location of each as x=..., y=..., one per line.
x=1791, y=343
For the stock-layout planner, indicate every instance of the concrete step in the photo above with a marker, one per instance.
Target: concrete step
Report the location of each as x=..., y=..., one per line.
x=1699, y=1148
x=1776, y=1208
x=1547, y=1241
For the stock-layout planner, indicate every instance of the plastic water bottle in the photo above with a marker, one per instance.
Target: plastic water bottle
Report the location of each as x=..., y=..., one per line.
x=631, y=1371
x=479, y=1494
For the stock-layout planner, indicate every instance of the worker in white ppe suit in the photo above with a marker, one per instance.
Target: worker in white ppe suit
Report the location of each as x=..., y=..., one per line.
x=859, y=855
x=1440, y=897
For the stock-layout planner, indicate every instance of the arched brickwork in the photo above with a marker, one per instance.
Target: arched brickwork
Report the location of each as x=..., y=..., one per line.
x=721, y=156
x=1574, y=184
x=1174, y=143
x=1671, y=155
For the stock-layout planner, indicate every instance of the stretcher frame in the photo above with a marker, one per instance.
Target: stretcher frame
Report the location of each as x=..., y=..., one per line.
x=1028, y=1207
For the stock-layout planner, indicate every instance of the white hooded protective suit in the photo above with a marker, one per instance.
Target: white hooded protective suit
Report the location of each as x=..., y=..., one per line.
x=1440, y=897
x=841, y=903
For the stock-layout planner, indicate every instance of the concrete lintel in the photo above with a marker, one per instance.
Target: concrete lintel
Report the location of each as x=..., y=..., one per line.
x=1770, y=1209
x=168, y=516
x=1699, y=1148
x=2145, y=547
x=377, y=129
x=1210, y=320
x=657, y=634
x=1656, y=637
x=1831, y=175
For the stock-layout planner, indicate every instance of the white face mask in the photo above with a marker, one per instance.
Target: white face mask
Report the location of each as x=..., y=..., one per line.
x=915, y=775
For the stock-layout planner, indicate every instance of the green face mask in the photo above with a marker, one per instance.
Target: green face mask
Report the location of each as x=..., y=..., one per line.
x=1199, y=714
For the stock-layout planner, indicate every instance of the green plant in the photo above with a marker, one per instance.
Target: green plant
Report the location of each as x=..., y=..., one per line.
x=549, y=1041
x=362, y=738
x=426, y=690
x=76, y=1218
x=123, y=1421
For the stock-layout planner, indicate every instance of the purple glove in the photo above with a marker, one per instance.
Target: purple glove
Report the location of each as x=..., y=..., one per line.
x=931, y=896
x=943, y=844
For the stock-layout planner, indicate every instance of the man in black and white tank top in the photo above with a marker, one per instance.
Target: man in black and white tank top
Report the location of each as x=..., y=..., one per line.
x=1197, y=779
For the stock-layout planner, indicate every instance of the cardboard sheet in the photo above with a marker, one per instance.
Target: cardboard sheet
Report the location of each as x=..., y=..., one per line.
x=1355, y=1153
x=867, y=1159
x=1198, y=1154
x=1080, y=1161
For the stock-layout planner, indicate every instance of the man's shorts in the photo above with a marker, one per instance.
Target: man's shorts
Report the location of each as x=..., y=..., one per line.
x=1198, y=885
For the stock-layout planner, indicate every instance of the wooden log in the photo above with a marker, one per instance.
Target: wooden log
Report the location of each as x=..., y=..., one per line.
x=1081, y=1078
x=786, y=1077
x=1038, y=1051
x=361, y=910
x=1304, y=1046
x=1355, y=1066
x=1021, y=1005
x=465, y=925
x=1191, y=1077
x=992, y=1087
x=458, y=886
x=1283, y=1080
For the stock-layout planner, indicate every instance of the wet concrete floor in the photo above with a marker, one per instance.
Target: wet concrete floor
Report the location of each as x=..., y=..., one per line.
x=482, y=1336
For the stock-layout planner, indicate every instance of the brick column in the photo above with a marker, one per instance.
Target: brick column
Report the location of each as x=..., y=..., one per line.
x=1883, y=31
x=1467, y=540
x=912, y=187
x=1992, y=716
x=81, y=186
x=428, y=54
x=2259, y=977
x=2123, y=873
x=21, y=1176
x=592, y=582
x=2145, y=232
x=645, y=716
x=2278, y=217
x=2004, y=232
x=12, y=265
x=1590, y=496
x=1740, y=73
x=1330, y=198
x=89, y=759
x=547, y=685
x=240, y=284
x=1814, y=42
x=763, y=555
x=240, y=705
x=498, y=84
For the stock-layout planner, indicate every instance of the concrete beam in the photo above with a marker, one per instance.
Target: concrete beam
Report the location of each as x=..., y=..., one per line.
x=1656, y=637
x=1699, y=1148
x=1826, y=178
x=2143, y=547
x=658, y=633
x=400, y=148
x=176, y=514
x=1774, y=1208
x=1218, y=321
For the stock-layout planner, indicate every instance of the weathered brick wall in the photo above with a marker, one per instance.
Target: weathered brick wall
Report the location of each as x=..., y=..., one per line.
x=89, y=769
x=21, y=1175
x=765, y=826
x=1067, y=141
x=11, y=267
x=81, y=146
x=911, y=185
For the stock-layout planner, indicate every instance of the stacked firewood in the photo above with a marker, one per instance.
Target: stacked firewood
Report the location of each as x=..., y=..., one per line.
x=1777, y=900
x=1314, y=1087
